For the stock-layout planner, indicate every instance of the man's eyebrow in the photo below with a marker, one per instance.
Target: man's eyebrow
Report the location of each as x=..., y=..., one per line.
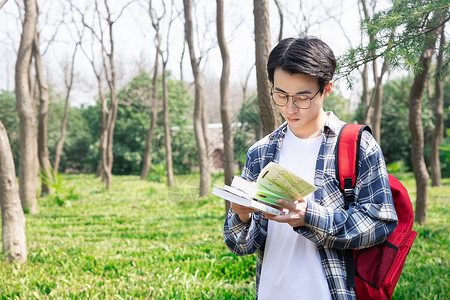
x=298, y=93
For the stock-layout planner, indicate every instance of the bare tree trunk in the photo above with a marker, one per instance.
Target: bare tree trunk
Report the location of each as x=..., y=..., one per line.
x=44, y=161
x=109, y=131
x=374, y=114
x=199, y=109
x=110, y=70
x=181, y=61
x=154, y=108
x=280, y=13
x=104, y=118
x=367, y=118
x=167, y=137
x=367, y=96
x=68, y=80
x=13, y=220
x=24, y=104
x=416, y=129
x=228, y=158
x=378, y=104
x=245, y=84
x=153, y=118
x=439, y=118
x=270, y=117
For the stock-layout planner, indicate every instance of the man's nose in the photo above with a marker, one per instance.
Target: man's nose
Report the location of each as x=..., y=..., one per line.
x=290, y=106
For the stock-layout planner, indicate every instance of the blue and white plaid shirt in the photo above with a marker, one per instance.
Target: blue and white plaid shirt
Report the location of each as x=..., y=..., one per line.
x=332, y=228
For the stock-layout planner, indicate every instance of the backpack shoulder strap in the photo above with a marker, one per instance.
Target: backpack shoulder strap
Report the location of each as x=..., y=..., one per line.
x=347, y=154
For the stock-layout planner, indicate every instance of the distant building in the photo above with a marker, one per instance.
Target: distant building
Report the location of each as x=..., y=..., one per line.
x=215, y=143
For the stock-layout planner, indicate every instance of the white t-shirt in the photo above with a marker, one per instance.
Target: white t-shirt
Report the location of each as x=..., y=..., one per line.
x=291, y=267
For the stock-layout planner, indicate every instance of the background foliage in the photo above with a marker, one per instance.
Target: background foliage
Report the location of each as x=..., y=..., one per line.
x=81, y=148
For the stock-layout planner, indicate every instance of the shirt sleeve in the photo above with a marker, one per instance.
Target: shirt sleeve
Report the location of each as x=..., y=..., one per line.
x=245, y=238
x=369, y=220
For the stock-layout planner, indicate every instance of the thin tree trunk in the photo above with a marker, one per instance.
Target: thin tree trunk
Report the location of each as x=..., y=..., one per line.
x=245, y=84
x=199, y=109
x=68, y=83
x=228, y=152
x=367, y=118
x=270, y=117
x=167, y=137
x=112, y=114
x=104, y=118
x=13, y=220
x=280, y=13
x=154, y=107
x=374, y=113
x=439, y=118
x=417, y=136
x=24, y=104
x=378, y=104
x=44, y=161
x=153, y=118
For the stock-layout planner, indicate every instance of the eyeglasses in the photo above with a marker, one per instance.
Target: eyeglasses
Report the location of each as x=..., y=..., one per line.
x=300, y=101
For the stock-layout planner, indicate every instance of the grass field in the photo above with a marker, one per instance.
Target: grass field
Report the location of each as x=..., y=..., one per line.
x=142, y=240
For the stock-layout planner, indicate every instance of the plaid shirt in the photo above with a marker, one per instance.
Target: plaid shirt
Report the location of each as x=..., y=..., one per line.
x=332, y=228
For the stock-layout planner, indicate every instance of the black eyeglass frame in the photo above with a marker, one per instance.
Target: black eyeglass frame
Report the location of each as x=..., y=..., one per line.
x=292, y=98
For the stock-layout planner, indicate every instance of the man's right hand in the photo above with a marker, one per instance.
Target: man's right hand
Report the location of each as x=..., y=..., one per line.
x=244, y=213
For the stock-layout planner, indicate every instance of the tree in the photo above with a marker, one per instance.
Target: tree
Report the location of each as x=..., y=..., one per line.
x=228, y=158
x=250, y=130
x=101, y=94
x=421, y=22
x=416, y=129
x=107, y=50
x=13, y=220
x=270, y=117
x=439, y=117
x=44, y=161
x=200, y=124
x=154, y=106
x=26, y=111
x=373, y=102
x=280, y=13
x=68, y=81
x=167, y=136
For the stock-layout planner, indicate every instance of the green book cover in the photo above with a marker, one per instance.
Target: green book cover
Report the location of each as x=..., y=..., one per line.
x=276, y=182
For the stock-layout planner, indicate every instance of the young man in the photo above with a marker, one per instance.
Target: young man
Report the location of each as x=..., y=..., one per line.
x=301, y=253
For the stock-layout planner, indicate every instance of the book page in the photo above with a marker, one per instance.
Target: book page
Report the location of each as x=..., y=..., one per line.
x=244, y=185
x=281, y=181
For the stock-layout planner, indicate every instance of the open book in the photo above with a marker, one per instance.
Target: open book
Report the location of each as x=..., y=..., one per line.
x=273, y=183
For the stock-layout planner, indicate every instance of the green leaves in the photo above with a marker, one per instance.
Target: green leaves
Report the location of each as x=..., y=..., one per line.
x=400, y=33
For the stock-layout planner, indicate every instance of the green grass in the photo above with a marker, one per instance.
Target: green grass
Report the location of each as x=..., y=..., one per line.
x=143, y=240
x=426, y=274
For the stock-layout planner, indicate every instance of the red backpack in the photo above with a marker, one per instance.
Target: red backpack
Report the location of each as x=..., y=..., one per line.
x=374, y=271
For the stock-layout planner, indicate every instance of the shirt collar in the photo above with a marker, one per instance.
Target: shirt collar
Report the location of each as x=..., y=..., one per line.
x=332, y=124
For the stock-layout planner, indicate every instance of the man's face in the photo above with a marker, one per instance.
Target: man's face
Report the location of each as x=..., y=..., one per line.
x=301, y=121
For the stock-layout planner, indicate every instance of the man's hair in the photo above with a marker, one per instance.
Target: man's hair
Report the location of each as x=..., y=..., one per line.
x=309, y=55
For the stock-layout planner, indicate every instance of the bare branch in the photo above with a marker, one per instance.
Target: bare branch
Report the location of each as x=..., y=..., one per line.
x=53, y=37
x=3, y=3
x=121, y=11
x=280, y=12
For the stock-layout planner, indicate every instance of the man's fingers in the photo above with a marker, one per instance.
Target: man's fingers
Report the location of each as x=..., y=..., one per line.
x=288, y=204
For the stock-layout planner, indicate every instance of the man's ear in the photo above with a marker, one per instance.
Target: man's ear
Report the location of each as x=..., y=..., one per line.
x=327, y=90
